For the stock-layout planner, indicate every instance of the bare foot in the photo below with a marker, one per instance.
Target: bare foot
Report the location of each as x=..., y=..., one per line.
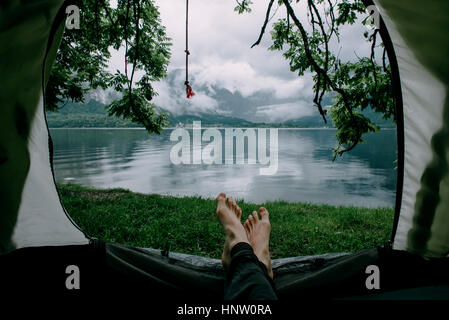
x=258, y=233
x=229, y=214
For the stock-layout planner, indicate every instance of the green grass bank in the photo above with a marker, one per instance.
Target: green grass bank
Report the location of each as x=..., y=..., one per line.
x=188, y=224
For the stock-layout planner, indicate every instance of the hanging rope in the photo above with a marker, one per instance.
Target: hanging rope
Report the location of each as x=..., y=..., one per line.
x=189, y=92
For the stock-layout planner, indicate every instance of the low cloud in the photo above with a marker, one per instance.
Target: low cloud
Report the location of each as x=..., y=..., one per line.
x=289, y=99
x=242, y=77
x=283, y=112
x=172, y=97
x=104, y=96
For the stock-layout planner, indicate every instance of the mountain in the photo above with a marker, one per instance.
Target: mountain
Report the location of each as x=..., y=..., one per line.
x=210, y=120
x=90, y=115
x=93, y=114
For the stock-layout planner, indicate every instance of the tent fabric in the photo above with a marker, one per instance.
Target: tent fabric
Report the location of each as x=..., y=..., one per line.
x=24, y=32
x=109, y=269
x=32, y=214
x=42, y=220
x=421, y=47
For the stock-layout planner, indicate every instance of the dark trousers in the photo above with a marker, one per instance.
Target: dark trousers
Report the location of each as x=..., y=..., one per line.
x=247, y=278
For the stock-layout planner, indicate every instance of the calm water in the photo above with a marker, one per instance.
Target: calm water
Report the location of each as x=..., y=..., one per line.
x=130, y=158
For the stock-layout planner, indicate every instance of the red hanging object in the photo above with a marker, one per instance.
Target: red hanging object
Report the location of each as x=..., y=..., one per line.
x=189, y=92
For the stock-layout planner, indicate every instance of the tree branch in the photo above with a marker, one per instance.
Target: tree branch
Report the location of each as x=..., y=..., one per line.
x=326, y=45
x=136, y=54
x=384, y=64
x=267, y=18
x=126, y=38
x=373, y=63
x=332, y=25
x=319, y=70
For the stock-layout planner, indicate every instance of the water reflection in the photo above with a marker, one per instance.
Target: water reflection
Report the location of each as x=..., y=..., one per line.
x=130, y=158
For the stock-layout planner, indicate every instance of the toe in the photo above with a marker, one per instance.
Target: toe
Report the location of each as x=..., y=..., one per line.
x=256, y=217
x=249, y=223
x=233, y=204
x=247, y=228
x=263, y=213
x=221, y=202
x=221, y=198
x=239, y=212
x=229, y=202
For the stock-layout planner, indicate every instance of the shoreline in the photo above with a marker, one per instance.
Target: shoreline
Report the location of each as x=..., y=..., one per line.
x=203, y=127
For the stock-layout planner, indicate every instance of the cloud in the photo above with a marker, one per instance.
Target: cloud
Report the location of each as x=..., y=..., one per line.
x=283, y=112
x=251, y=92
x=216, y=30
x=172, y=97
x=242, y=77
x=104, y=96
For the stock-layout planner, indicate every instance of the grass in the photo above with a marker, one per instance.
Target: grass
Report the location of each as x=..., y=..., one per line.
x=189, y=225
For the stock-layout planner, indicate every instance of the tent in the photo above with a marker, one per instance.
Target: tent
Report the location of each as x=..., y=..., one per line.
x=38, y=240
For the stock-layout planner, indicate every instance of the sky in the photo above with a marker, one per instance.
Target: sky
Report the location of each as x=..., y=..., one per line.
x=221, y=56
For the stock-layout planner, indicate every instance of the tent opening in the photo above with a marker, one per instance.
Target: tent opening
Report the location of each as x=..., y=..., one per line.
x=317, y=204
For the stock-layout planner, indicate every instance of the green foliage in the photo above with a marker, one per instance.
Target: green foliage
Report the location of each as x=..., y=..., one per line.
x=348, y=10
x=189, y=224
x=135, y=107
x=81, y=62
x=363, y=92
x=354, y=85
x=243, y=6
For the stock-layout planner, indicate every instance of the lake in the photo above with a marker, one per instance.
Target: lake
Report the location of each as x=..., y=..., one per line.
x=132, y=159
